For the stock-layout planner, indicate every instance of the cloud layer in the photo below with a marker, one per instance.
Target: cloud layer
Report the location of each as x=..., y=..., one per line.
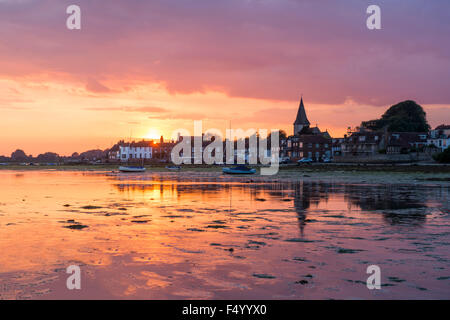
x=256, y=48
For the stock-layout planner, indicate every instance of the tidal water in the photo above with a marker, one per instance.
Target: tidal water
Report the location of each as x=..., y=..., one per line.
x=207, y=236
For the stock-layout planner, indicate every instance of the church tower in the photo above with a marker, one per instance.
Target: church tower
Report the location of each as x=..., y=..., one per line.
x=301, y=121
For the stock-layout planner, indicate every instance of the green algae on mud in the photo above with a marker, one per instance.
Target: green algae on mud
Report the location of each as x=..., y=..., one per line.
x=438, y=174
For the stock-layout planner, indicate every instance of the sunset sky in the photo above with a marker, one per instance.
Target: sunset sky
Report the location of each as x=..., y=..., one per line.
x=145, y=68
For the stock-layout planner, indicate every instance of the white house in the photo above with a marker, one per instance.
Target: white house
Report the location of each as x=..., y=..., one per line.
x=441, y=142
x=440, y=137
x=136, y=150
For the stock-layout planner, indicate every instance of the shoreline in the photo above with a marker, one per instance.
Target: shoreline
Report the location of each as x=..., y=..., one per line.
x=425, y=175
x=404, y=167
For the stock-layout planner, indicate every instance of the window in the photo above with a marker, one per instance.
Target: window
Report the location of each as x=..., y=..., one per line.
x=362, y=138
x=317, y=145
x=301, y=144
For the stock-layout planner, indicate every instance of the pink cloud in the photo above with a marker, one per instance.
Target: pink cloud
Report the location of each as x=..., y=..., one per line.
x=129, y=109
x=96, y=87
x=259, y=49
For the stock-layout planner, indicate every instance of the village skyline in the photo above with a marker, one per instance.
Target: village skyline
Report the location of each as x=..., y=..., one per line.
x=402, y=129
x=84, y=144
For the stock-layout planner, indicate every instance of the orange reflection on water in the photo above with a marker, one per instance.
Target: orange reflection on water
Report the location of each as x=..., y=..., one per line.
x=187, y=235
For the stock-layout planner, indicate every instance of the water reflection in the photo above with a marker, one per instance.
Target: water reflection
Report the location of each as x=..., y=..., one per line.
x=399, y=205
x=210, y=236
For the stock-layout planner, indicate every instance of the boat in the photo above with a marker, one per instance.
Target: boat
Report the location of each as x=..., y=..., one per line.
x=173, y=168
x=131, y=169
x=239, y=170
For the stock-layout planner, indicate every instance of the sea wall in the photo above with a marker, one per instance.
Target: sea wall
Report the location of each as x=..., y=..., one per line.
x=384, y=158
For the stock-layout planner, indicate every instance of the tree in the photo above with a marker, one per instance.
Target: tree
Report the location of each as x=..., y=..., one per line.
x=19, y=156
x=443, y=157
x=48, y=157
x=282, y=135
x=406, y=116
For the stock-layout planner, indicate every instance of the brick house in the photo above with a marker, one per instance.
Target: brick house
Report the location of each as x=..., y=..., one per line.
x=363, y=142
x=404, y=142
x=307, y=142
x=315, y=147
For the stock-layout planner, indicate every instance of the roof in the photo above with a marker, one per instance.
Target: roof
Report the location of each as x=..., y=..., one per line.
x=312, y=138
x=408, y=137
x=301, y=115
x=315, y=130
x=139, y=144
x=442, y=127
x=369, y=137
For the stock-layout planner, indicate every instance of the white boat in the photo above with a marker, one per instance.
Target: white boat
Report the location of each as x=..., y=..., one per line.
x=131, y=169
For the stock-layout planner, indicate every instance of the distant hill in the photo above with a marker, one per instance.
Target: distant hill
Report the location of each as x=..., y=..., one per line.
x=406, y=116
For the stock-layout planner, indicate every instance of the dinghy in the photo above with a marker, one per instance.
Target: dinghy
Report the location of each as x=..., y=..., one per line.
x=239, y=170
x=173, y=168
x=131, y=169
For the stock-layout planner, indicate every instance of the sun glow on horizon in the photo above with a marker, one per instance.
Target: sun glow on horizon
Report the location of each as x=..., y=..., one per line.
x=153, y=134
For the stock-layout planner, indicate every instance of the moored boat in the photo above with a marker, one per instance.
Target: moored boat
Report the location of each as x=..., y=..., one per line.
x=173, y=168
x=239, y=170
x=131, y=169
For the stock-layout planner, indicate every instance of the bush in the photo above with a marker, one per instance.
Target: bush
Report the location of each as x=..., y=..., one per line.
x=443, y=157
x=404, y=151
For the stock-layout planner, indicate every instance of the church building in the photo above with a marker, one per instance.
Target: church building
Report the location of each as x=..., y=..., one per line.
x=306, y=142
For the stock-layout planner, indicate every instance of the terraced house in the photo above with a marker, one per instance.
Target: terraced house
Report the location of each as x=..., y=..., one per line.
x=136, y=150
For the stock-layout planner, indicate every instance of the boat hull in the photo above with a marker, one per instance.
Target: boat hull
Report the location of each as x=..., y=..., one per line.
x=236, y=171
x=173, y=168
x=131, y=169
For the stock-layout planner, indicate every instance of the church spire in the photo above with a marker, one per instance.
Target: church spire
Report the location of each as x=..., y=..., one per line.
x=301, y=115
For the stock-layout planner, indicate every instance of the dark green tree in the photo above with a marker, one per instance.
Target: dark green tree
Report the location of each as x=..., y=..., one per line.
x=406, y=116
x=443, y=157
